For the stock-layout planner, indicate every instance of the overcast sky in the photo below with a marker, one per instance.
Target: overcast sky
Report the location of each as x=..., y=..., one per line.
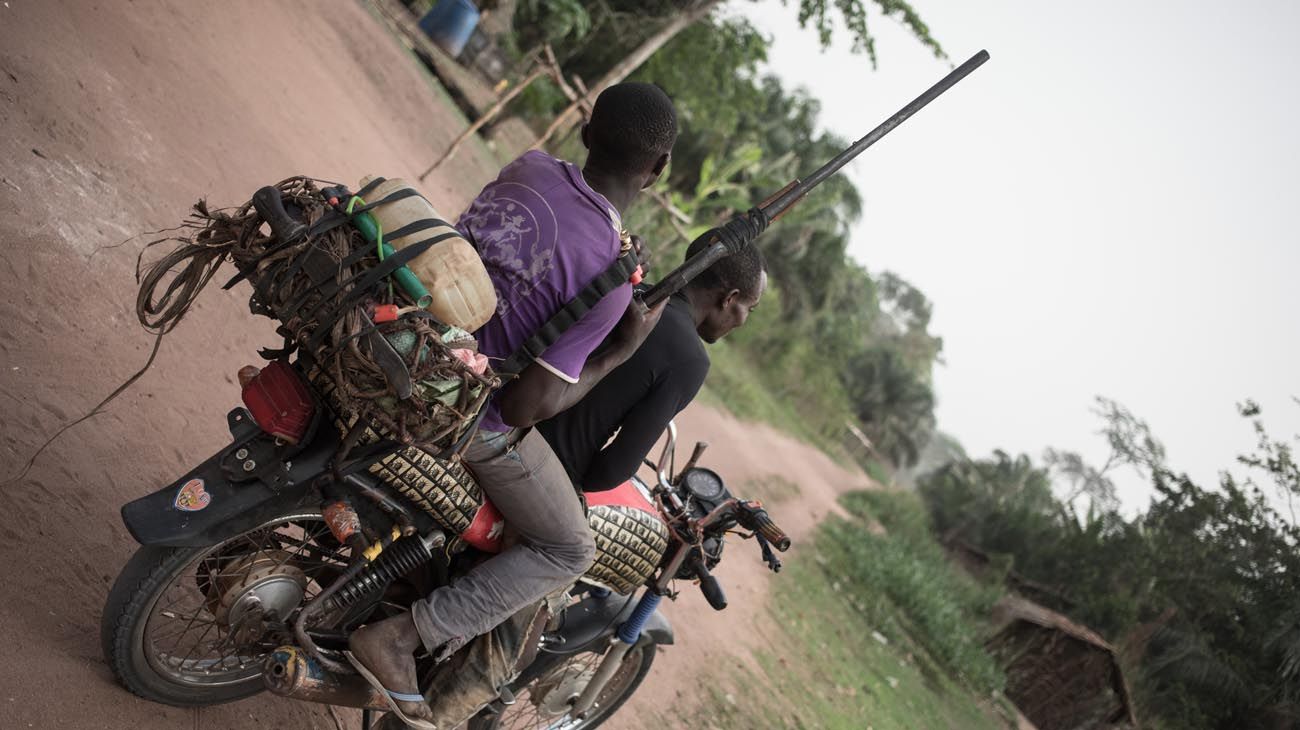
x=1109, y=206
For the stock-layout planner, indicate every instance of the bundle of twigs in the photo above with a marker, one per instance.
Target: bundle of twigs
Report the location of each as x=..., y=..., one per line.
x=344, y=353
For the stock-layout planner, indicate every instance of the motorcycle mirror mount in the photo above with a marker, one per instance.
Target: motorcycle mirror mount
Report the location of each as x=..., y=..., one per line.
x=700, y=446
x=667, y=457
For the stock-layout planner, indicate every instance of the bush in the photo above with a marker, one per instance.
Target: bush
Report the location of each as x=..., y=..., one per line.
x=903, y=582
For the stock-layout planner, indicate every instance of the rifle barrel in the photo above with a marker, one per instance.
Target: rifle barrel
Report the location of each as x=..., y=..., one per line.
x=791, y=196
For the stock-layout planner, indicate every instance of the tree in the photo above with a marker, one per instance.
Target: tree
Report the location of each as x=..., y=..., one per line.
x=638, y=30
x=1204, y=582
x=907, y=323
x=895, y=407
x=854, y=15
x=1083, y=482
x=821, y=345
x=1274, y=458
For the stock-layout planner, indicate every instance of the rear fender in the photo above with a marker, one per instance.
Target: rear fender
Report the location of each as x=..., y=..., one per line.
x=246, y=483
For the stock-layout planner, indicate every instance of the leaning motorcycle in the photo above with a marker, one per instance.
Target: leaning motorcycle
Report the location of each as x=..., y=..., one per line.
x=247, y=579
x=341, y=497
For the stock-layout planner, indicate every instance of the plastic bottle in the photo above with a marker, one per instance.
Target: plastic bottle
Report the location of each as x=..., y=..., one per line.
x=451, y=270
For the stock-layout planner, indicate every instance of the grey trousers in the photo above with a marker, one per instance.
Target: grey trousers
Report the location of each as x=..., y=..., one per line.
x=529, y=486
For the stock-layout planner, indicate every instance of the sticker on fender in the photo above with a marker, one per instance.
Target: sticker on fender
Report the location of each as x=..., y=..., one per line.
x=192, y=497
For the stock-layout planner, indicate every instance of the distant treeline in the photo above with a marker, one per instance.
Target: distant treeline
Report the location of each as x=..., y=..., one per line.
x=1200, y=592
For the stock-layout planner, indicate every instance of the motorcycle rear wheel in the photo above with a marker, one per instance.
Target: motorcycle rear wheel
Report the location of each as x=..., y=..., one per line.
x=177, y=627
x=530, y=713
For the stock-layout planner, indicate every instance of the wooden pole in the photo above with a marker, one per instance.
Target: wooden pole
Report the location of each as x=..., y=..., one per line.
x=675, y=217
x=488, y=116
x=623, y=68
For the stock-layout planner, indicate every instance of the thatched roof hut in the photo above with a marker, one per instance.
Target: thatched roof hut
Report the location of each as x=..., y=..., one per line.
x=1061, y=675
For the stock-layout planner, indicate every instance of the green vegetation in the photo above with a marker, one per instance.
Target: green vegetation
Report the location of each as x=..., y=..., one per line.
x=1198, y=592
x=903, y=584
x=880, y=631
x=877, y=471
x=831, y=344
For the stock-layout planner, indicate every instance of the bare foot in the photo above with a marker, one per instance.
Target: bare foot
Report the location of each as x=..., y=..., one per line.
x=387, y=649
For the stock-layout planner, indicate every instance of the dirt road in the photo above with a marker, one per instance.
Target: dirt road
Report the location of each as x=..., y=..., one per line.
x=117, y=116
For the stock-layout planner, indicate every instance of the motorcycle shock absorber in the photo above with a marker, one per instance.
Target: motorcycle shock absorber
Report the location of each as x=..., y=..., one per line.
x=396, y=560
x=369, y=572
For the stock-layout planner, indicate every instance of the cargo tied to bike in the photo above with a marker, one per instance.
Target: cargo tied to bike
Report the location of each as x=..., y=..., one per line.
x=373, y=291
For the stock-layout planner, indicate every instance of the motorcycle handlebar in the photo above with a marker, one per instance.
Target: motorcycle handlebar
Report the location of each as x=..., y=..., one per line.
x=709, y=585
x=270, y=208
x=755, y=518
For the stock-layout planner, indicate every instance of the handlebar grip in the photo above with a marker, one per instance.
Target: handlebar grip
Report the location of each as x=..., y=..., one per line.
x=759, y=521
x=710, y=586
x=271, y=209
x=712, y=590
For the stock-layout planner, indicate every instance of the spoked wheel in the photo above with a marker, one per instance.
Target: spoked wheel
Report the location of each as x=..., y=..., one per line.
x=548, y=700
x=191, y=626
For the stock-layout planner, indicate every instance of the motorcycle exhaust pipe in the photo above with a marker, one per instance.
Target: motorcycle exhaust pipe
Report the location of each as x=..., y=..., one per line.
x=290, y=672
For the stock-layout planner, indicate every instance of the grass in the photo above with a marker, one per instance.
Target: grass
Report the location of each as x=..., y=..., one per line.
x=879, y=632
x=736, y=385
x=877, y=471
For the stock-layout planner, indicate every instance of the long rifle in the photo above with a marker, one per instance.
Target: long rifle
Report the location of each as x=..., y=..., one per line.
x=745, y=227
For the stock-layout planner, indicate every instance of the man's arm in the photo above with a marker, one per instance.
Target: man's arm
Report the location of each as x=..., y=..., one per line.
x=619, y=460
x=539, y=393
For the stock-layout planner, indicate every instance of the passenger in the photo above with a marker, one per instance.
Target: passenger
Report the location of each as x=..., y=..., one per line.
x=544, y=230
x=637, y=400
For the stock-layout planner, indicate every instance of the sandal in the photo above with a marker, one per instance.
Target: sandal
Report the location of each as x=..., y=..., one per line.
x=392, y=697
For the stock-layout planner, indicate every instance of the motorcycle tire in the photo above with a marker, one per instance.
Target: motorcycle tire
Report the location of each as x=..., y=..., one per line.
x=149, y=575
x=640, y=659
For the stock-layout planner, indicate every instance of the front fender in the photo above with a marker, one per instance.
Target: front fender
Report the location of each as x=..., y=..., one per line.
x=229, y=494
x=598, y=617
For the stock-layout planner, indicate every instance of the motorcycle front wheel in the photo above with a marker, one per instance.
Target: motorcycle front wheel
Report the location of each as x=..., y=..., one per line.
x=191, y=626
x=545, y=702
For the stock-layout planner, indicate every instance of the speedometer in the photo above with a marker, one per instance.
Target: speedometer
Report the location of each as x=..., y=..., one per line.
x=705, y=485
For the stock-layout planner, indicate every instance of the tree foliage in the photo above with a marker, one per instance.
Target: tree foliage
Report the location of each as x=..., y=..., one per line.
x=1200, y=589
x=619, y=25
x=853, y=14
x=832, y=341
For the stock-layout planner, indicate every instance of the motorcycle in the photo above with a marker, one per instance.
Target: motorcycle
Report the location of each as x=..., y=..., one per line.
x=256, y=565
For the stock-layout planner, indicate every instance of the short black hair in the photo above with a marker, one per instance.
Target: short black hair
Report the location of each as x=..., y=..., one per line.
x=742, y=270
x=631, y=125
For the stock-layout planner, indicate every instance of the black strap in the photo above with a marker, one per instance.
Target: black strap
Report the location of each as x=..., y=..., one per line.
x=363, y=287
x=329, y=286
x=416, y=226
x=362, y=283
x=328, y=222
x=369, y=187
x=532, y=348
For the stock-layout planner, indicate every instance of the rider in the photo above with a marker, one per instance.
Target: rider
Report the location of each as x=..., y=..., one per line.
x=639, y=398
x=544, y=229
